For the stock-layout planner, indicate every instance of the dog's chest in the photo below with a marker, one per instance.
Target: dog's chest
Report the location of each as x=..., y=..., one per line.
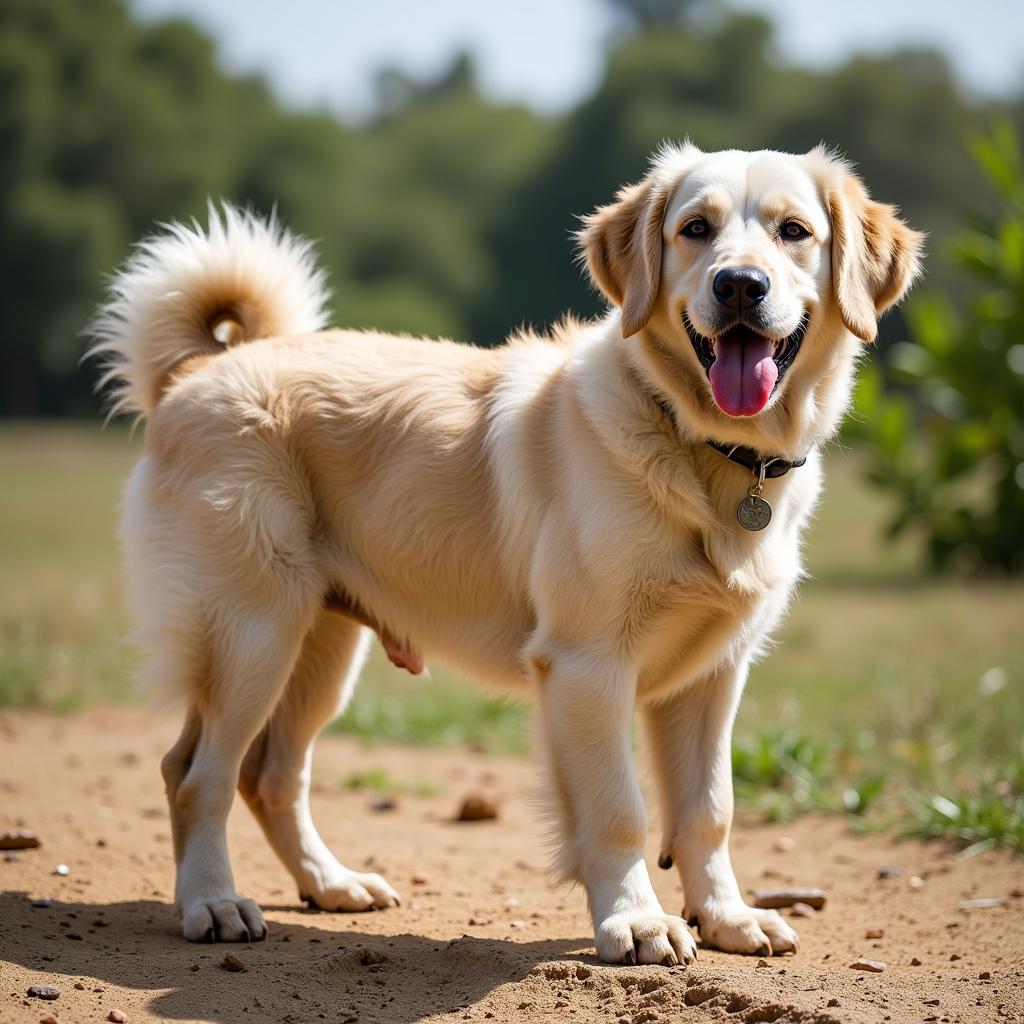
x=713, y=605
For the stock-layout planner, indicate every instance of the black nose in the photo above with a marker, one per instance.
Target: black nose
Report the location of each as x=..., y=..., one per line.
x=737, y=287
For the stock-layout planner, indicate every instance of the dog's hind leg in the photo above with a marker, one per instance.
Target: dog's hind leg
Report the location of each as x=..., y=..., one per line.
x=174, y=767
x=249, y=662
x=275, y=774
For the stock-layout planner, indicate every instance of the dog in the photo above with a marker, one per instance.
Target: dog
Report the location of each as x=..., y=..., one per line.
x=608, y=517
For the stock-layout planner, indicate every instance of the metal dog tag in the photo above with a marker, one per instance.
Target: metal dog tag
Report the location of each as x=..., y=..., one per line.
x=754, y=513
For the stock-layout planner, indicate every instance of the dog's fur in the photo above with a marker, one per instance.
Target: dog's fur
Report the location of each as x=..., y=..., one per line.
x=545, y=515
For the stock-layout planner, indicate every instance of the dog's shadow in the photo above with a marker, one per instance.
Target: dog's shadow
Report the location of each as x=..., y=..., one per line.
x=302, y=972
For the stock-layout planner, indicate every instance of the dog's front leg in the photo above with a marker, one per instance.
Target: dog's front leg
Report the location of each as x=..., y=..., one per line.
x=587, y=711
x=690, y=737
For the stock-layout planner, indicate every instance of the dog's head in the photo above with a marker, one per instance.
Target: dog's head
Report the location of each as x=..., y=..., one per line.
x=751, y=274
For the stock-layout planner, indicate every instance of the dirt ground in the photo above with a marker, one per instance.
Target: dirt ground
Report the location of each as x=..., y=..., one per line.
x=481, y=935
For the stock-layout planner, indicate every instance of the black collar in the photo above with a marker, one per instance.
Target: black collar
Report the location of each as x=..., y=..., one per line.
x=771, y=466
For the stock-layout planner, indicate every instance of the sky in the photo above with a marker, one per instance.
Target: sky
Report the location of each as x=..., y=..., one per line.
x=548, y=53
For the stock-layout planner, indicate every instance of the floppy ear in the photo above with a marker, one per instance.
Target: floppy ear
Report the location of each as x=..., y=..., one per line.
x=875, y=256
x=622, y=245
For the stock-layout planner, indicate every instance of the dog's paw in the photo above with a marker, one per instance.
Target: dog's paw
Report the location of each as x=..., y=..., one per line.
x=738, y=928
x=225, y=920
x=351, y=891
x=645, y=937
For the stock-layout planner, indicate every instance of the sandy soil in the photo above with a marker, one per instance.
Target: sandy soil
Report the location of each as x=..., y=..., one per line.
x=481, y=934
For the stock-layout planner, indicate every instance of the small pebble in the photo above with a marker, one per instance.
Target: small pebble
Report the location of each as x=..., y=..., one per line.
x=232, y=963
x=477, y=807
x=802, y=910
x=833, y=1002
x=985, y=903
x=874, y=966
x=915, y=882
x=47, y=1020
x=783, y=844
x=79, y=986
x=762, y=963
x=49, y=992
x=62, y=870
x=420, y=879
x=985, y=975
x=19, y=839
x=479, y=921
x=517, y=924
x=384, y=805
x=117, y=1016
x=875, y=933
x=10, y=858
x=889, y=872
x=914, y=962
x=956, y=956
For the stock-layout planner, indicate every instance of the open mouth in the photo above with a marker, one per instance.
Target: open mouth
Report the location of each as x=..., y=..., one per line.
x=743, y=365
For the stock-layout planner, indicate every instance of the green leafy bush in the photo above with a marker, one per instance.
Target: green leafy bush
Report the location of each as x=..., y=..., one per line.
x=950, y=447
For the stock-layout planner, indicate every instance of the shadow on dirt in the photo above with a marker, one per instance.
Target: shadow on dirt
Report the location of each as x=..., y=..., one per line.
x=301, y=973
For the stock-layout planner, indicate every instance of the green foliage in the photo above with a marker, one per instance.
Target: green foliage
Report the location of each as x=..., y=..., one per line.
x=950, y=449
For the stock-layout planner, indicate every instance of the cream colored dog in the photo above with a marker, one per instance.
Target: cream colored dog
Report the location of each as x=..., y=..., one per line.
x=549, y=515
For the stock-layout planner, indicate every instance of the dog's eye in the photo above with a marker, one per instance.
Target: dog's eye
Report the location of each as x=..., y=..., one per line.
x=793, y=231
x=696, y=228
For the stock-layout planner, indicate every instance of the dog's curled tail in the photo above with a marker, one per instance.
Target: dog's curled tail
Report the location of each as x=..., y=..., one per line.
x=186, y=292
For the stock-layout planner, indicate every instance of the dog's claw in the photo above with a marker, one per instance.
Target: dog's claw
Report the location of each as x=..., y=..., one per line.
x=665, y=861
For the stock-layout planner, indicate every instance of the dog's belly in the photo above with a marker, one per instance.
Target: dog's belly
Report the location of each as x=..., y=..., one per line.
x=468, y=617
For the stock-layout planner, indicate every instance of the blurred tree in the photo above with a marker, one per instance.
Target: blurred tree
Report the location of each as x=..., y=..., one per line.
x=105, y=128
x=445, y=213
x=954, y=459
x=901, y=118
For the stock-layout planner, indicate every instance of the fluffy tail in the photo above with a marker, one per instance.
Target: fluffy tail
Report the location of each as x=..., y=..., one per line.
x=186, y=292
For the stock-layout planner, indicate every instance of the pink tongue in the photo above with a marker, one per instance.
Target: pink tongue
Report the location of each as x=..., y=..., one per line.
x=743, y=374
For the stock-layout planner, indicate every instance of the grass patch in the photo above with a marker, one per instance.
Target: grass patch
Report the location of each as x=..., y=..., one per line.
x=380, y=780
x=394, y=707
x=892, y=697
x=988, y=815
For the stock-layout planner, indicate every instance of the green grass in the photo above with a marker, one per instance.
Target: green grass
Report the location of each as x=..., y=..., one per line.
x=380, y=780
x=891, y=696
